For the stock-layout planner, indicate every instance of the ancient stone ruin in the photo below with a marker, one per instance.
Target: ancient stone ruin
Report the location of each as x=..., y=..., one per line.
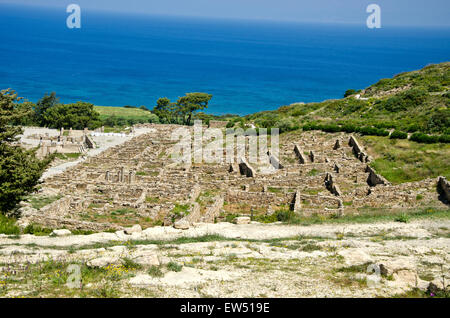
x=137, y=182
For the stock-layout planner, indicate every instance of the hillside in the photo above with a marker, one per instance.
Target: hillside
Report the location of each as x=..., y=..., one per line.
x=409, y=102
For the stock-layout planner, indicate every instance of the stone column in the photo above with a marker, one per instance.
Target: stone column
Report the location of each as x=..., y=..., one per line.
x=131, y=177
x=121, y=174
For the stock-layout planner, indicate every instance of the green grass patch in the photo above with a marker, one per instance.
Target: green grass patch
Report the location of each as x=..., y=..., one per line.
x=127, y=113
x=155, y=271
x=37, y=230
x=65, y=156
x=8, y=226
x=174, y=267
x=180, y=208
x=41, y=201
x=151, y=199
x=123, y=211
x=313, y=172
x=402, y=161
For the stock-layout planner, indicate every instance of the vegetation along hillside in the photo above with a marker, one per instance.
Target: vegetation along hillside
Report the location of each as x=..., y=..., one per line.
x=412, y=102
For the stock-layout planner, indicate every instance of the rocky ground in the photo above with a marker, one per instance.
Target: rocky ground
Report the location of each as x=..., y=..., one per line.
x=228, y=260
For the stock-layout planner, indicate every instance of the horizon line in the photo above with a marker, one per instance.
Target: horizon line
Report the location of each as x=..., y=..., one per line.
x=246, y=19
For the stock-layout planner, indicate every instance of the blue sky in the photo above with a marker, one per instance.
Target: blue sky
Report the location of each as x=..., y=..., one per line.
x=394, y=12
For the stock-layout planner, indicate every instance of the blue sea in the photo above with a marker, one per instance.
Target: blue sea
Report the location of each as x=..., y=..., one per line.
x=248, y=66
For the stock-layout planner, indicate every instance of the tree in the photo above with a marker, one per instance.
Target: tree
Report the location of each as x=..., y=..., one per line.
x=191, y=103
x=349, y=92
x=77, y=116
x=20, y=170
x=182, y=111
x=163, y=109
x=45, y=103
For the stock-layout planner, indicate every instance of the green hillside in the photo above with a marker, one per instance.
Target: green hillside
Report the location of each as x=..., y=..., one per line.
x=124, y=112
x=415, y=101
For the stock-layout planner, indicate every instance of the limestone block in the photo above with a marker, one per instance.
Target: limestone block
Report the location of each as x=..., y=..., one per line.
x=62, y=232
x=181, y=225
x=242, y=220
x=134, y=229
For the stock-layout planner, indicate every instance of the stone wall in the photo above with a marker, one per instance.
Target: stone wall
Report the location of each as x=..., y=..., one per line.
x=213, y=211
x=259, y=198
x=89, y=142
x=246, y=169
x=299, y=154
x=443, y=187
x=374, y=179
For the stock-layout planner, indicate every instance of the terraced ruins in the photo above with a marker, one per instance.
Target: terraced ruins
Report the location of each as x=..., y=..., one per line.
x=137, y=182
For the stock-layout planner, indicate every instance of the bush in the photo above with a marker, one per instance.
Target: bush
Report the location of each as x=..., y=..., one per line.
x=8, y=226
x=331, y=128
x=444, y=139
x=174, y=267
x=406, y=100
x=349, y=128
x=349, y=92
x=36, y=230
x=372, y=131
x=286, y=125
x=439, y=121
x=285, y=215
x=155, y=271
x=424, y=138
x=398, y=135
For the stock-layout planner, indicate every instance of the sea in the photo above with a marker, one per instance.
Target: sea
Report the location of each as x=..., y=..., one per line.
x=248, y=66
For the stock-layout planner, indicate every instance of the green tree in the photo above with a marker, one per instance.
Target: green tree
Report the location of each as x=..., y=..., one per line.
x=349, y=92
x=76, y=116
x=45, y=103
x=164, y=109
x=20, y=170
x=190, y=103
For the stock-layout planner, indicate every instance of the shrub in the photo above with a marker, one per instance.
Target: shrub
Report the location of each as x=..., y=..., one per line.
x=128, y=263
x=285, y=215
x=230, y=124
x=444, y=139
x=331, y=128
x=403, y=101
x=8, y=226
x=36, y=230
x=403, y=218
x=372, y=131
x=285, y=125
x=424, y=138
x=174, y=267
x=439, y=121
x=155, y=271
x=349, y=92
x=398, y=135
x=349, y=128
